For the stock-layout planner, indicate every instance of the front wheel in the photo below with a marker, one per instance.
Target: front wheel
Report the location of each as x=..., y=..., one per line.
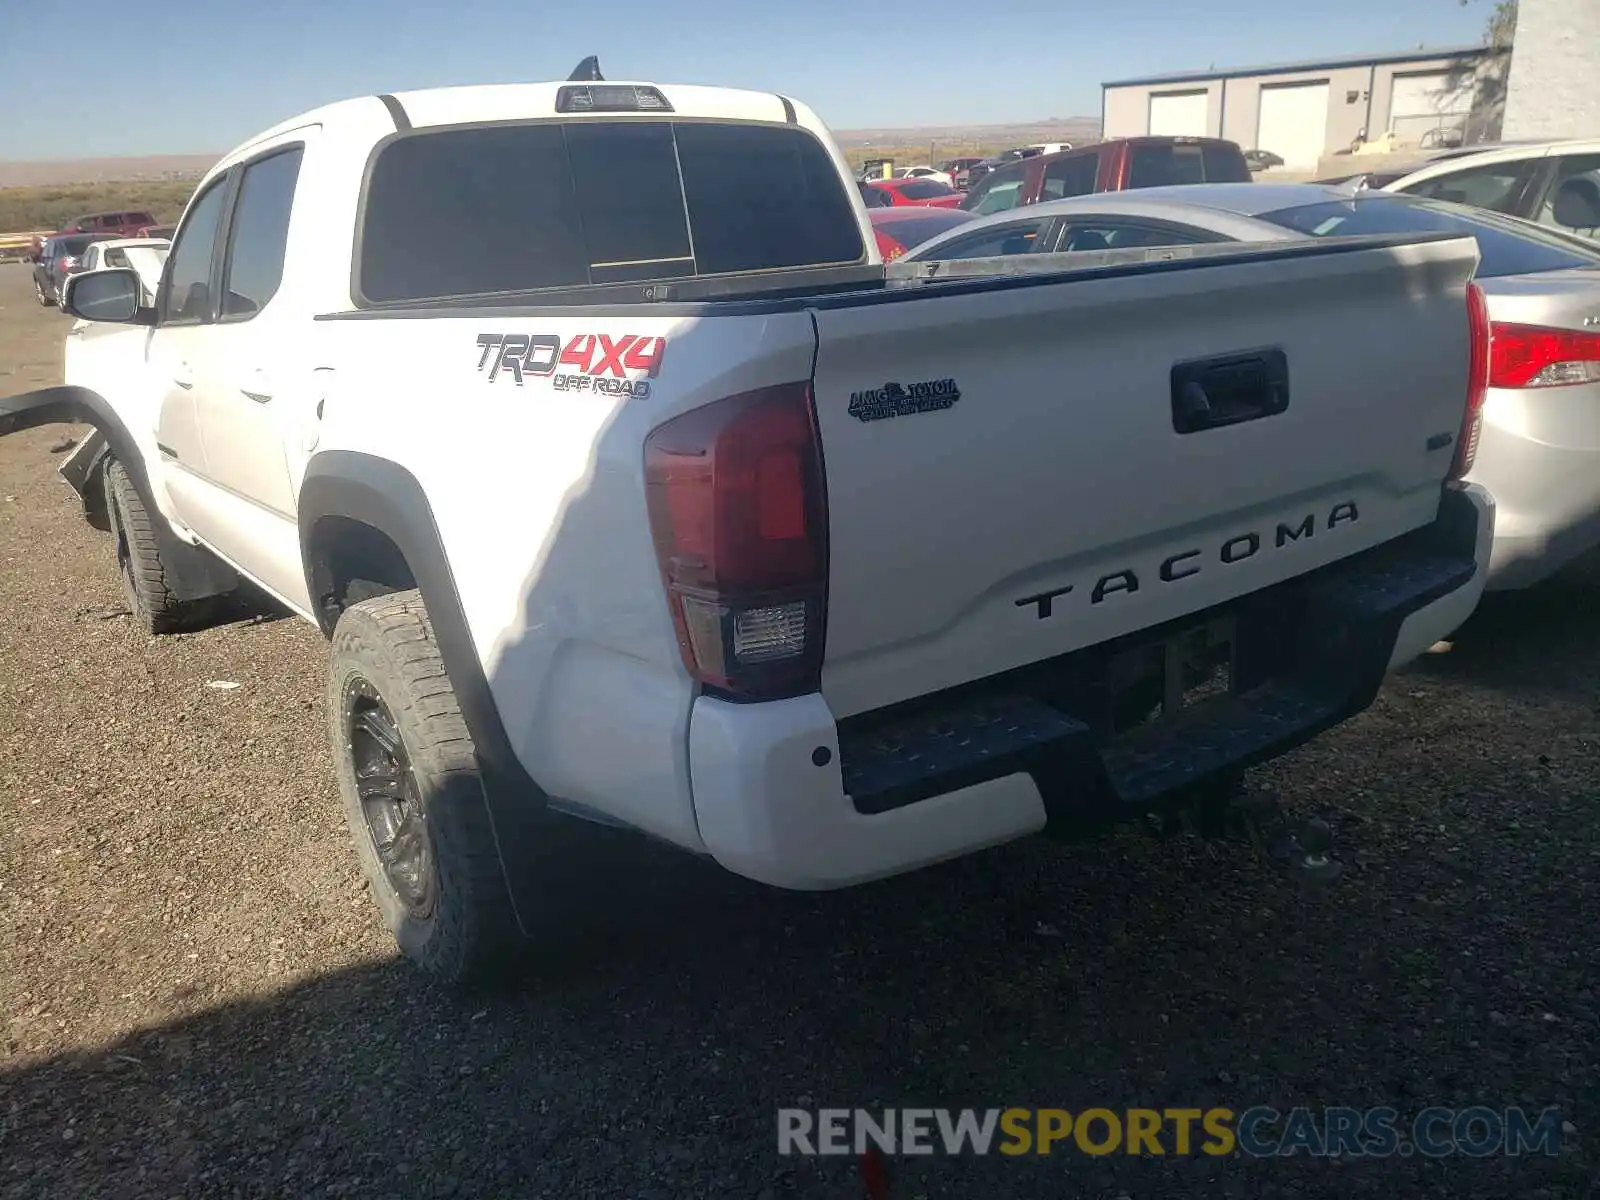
x=146, y=583
x=413, y=794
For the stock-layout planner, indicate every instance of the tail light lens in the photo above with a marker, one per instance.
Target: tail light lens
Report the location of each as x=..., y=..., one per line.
x=1477, y=381
x=66, y=262
x=738, y=510
x=1532, y=356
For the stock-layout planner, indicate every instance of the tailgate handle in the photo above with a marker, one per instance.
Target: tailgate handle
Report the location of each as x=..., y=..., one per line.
x=1209, y=393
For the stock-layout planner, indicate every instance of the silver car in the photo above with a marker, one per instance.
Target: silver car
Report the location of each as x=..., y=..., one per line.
x=1539, y=450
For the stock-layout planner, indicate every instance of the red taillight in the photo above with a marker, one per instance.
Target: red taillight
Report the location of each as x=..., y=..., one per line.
x=739, y=515
x=1477, y=381
x=66, y=261
x=1532, y=356
x=888, y=248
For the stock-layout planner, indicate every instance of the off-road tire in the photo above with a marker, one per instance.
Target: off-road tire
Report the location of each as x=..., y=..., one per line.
x=467, y=932
x=145, y=584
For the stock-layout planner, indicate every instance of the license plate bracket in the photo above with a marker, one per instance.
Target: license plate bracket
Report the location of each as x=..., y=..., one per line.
x=1162, y=679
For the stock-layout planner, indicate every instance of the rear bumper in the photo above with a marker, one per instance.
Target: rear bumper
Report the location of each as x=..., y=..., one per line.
x=785, y=795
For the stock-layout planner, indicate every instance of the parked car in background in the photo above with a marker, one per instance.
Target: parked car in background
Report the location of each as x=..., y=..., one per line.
x=59, y=256
x=145, y=256
x=117, y=224
x=958, y=167
x=1539, y=447
x=1113, y=166
x=927, y=192
x=1556, y=184
x=932, y=173
x=874, y=198
x=984, y=166
x=900, y=229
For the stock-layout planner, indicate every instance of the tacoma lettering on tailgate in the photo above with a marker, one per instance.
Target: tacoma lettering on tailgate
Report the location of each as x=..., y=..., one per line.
x=1191, y=562
x=588, y=362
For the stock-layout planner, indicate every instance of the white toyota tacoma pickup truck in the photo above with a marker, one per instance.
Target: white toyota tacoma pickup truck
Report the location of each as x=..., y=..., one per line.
x=628, y=484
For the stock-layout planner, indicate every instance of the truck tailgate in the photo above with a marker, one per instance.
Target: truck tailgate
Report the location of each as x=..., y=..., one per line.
x=1016, y=472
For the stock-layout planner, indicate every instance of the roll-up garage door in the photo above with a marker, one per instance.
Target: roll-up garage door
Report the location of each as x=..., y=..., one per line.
x=1178, y=114
x=1294, y=123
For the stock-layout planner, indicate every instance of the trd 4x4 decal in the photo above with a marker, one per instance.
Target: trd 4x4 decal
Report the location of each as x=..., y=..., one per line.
x=588, y=362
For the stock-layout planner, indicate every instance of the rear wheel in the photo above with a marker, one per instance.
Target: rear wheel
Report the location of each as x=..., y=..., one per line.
x=145, y=583
x=38, y=293
x=413, y=794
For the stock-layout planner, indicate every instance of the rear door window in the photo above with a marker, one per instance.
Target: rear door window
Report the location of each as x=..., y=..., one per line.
x=460, y=212
x=1013, y=237
x=1572, y=201
x=1497, y=186
x=258, y=236
x=1089, y=233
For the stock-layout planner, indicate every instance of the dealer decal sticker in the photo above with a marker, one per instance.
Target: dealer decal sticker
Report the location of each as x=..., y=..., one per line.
x=589, y=362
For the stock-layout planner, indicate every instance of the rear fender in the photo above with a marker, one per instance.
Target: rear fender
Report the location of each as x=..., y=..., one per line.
x=386, y=497
x=192, y=573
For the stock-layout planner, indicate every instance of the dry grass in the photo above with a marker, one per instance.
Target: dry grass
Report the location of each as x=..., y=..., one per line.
x=925, y=154
x=33, y=208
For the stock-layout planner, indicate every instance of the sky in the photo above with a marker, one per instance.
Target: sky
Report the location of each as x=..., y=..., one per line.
x=200, y=76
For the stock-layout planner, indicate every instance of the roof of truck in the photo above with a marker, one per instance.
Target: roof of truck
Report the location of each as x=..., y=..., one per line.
x=475, y=103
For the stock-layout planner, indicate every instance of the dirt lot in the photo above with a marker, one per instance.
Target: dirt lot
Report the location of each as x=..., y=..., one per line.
x=198, y=999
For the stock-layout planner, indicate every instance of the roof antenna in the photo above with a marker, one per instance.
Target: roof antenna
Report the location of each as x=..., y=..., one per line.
x=588, y=71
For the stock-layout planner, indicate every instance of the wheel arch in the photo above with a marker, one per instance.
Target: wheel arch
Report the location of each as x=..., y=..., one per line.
x=358, y=508
x=193, y=574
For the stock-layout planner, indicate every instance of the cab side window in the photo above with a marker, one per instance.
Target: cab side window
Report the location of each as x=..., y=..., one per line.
x=1070, y=177
x=186, y=299
x=998, y=196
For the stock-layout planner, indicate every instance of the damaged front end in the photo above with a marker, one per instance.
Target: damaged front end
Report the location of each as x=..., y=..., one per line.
x=83, y=470
x=83, y=467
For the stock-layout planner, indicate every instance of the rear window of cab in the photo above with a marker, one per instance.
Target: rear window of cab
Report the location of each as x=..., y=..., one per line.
x=507, y=208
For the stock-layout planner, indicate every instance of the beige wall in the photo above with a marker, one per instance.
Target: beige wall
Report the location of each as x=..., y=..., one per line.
x=1235, y=104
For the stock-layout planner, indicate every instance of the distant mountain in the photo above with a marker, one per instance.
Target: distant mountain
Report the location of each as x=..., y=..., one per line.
x=104, y=170
x=1062, y=129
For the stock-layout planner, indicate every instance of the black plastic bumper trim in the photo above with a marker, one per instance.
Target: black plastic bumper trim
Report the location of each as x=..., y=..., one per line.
x=1352, y=612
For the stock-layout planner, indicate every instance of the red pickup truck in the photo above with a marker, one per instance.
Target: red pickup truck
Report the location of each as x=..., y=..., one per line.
x=1113, y=166
x=121, y=224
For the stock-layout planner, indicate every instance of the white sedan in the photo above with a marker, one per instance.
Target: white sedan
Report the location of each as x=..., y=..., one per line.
x=1539, y=448
x=145, y=256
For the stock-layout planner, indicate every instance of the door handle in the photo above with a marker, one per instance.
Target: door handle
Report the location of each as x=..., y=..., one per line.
x=258, y=387
x=1211, y=393
x=183, y=377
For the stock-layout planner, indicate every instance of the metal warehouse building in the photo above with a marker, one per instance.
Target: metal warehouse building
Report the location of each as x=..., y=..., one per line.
x=1303, y=111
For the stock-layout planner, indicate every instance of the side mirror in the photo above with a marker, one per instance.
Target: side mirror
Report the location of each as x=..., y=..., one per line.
x=114, y=294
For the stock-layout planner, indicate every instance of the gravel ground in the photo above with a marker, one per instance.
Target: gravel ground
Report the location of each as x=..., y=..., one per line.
x=199, y=1000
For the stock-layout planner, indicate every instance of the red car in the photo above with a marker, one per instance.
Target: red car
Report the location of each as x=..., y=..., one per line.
x=925, y=193
x=899, y=229
x=1119, y=165
x=118, y=224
